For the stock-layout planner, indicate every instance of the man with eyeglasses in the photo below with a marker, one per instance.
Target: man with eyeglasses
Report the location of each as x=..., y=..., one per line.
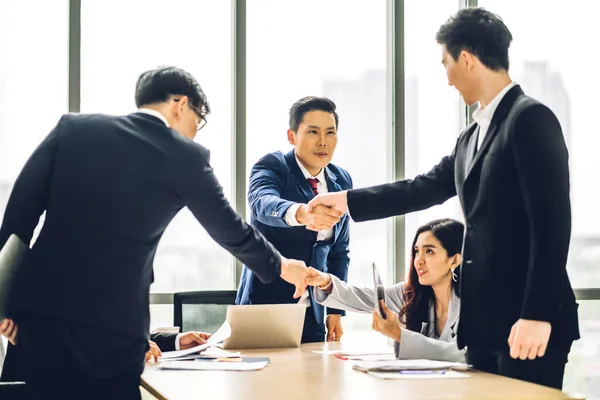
x=110, y=185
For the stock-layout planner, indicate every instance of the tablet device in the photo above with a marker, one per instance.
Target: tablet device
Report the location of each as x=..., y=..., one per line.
x=379, y=291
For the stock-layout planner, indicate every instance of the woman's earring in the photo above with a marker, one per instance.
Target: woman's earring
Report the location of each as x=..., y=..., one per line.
x=454, y=277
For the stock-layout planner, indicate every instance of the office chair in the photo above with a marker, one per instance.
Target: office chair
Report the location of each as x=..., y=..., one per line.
x=203, y=311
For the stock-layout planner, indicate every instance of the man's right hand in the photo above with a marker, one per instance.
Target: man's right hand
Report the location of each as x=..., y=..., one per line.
x=294, y=272
x=321, y=218
x=335, y=200
x=317, y=278
x=9, y=329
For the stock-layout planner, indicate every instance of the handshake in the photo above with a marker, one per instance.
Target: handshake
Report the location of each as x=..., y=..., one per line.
x=323, y=212
x=296, y=273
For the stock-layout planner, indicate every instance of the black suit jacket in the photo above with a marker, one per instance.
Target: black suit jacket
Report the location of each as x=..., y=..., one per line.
x=110, y=186
x=515, y=198
x=164, y=341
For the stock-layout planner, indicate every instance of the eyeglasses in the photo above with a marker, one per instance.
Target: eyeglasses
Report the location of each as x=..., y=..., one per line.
x=199, y=124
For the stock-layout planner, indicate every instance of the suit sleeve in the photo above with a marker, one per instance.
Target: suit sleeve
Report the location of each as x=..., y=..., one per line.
x=338, y=258
x=205, y=199
x=29, y=196
x=406, y=196
x=352, y=298
x=165, y=341
x=264, y=193
x=414, y=345
x=541, y=160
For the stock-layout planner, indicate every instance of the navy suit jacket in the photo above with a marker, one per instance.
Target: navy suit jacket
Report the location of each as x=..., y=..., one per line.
x=277, y=182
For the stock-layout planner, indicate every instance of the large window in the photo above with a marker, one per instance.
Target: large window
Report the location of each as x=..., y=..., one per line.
x=432, y=107
x=120, y=40
x=333, y=48
x=582, y=374
x=33, y=81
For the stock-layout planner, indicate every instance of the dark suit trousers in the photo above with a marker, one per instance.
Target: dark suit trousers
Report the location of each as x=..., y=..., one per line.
x=46, y=362
x=547, y=371
x=312, y=331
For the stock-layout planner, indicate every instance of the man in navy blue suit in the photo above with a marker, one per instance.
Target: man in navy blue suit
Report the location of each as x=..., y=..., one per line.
x=280, y=187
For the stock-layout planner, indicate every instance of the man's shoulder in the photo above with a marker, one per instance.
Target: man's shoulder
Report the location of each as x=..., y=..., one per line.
x=527, y=110
x=76, y=118
x=525, y=103
x=275, y=159
x=274, y=162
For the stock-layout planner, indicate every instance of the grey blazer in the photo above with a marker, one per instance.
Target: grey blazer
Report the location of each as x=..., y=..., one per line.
x=412, y=345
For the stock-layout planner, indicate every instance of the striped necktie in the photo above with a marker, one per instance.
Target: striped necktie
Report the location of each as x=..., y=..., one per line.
x=313, y=182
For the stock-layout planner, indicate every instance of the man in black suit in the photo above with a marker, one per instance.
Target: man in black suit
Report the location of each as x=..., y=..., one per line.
x=110, y=185
x=510, y=171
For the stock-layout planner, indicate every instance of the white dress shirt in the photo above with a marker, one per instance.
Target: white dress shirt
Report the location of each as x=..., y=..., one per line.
x=154, y=113
x=177, y=339
x=483, y=116
x=290, y=214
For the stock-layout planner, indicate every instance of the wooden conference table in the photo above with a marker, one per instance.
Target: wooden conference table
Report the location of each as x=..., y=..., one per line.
x=301, y=374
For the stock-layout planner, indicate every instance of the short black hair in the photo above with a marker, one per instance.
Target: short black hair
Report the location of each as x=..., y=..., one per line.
x=157, y=85
x=311, y=103
x=481, y=33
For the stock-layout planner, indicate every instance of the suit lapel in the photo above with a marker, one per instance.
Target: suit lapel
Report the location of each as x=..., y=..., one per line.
x=471, y=149
x=301, y=181
x=503, y=108
x=453, y=314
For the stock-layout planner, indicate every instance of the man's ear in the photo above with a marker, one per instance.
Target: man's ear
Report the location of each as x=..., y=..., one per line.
x=468, y=59
x=291, y=137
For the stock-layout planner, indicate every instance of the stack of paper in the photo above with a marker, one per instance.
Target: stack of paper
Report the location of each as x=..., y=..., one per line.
x=418, y=375
x=212, y=353
x=408, y=365
x=219, y=336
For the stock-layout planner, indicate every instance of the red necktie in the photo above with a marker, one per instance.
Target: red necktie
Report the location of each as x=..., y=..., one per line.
x=313, y=182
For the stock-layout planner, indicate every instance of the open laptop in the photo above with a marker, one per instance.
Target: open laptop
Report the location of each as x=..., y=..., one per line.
x=265, y=326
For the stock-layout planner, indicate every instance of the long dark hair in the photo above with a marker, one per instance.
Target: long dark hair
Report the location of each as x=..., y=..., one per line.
x=416, y=296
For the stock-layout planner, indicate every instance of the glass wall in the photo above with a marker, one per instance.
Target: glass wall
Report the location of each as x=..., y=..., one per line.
x=142, y=35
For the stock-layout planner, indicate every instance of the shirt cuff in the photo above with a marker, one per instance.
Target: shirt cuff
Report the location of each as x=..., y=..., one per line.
x=290, y=215
x=177, y=345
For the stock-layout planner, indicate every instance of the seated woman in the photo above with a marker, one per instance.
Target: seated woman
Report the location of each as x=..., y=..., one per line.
x=423, y=312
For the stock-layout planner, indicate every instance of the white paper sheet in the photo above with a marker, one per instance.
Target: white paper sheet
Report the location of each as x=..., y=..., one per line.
x=219, y=336
x=213, y=366
x=372, y=357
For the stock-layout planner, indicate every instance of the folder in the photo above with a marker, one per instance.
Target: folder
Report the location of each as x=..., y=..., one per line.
x=11, y=257
x=408, y=365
